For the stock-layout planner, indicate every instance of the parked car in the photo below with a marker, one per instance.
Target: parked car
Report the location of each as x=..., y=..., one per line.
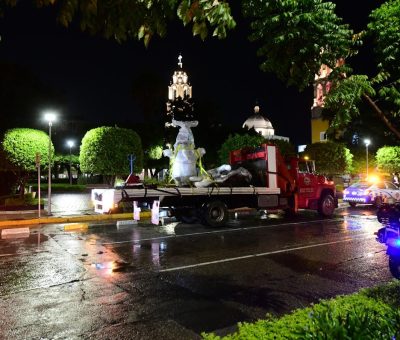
x=371, y=193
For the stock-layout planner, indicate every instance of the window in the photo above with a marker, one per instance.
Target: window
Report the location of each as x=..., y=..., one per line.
x=322, y=136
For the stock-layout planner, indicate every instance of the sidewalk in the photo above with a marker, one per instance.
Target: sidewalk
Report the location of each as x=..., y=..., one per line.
x=66, y=208
x=13, y=220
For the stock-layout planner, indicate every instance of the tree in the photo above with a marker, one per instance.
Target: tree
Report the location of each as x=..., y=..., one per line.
x=105, y=151
x=286, y=149
x=252, y=140
x=388, y=159
x=140, y=19
x=238, y=141
x=330, y=158
x=20, y=147
x=299, y=36
x=62, y=163
x=154, y=159
x=359, y=163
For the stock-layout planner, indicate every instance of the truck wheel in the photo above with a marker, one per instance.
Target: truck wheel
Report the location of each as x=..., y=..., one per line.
x=394, y=266
x=352, y=204
x=215, y=214
x=326, y=206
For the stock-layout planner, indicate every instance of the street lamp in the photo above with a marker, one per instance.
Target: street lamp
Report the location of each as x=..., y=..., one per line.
x=367, y=142
x=50, y=117
x=71, y=144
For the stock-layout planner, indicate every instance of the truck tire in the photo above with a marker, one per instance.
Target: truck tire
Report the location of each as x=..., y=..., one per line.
x=326, y=206
x=215, y=214
x=352, y=204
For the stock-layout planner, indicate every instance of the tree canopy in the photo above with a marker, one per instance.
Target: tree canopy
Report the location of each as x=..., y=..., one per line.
x=298, y=36
x=388, y=159
x=238, y=141
x=105, y=151
x=20, y=146
x=243, y=140
x=140, y=19
x=19, y=149
x=330, y=158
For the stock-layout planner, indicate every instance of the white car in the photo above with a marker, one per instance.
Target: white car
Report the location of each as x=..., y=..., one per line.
x=367, y=193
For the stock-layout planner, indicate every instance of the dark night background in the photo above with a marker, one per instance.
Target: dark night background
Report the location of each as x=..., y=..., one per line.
x=95, y=80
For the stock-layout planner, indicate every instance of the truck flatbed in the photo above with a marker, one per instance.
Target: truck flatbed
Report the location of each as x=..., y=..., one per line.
x=102, y=198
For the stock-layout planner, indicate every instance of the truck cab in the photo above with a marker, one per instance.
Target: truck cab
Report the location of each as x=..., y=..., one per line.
x=296, y=178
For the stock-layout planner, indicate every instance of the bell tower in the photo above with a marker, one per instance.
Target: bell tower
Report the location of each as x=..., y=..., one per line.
x=321, y=88
x=179, y=87
x=322, y=85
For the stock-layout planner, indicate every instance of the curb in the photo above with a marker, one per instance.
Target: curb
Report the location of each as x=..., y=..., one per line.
x=71, y=219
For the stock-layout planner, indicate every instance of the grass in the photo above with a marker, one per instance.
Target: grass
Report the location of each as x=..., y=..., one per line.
x=370, y=314
x=59, y=187
x=17, y=201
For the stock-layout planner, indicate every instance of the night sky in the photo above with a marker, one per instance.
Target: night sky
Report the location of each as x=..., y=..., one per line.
x=95, y=76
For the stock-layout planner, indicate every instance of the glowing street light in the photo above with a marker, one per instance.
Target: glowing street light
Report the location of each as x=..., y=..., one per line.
x=367, y=142
x=71, y=144
x=50, y=117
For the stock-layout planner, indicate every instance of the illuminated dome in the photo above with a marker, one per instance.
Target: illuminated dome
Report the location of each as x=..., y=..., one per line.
x=261, y=124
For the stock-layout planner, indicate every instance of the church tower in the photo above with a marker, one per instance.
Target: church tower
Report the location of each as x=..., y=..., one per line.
x=180, y=102
x=322, y=85
x=321, y=88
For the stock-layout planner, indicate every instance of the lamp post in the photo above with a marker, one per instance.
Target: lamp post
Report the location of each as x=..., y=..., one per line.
x=367, y=142
x=50, y=117
x=71, y=144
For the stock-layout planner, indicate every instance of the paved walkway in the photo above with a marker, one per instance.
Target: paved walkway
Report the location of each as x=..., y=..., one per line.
x=71, y=204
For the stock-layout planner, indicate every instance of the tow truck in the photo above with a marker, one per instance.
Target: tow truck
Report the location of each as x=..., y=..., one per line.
x=276, y=183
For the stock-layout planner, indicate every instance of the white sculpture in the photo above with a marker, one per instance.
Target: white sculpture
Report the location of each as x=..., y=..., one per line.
x=184, y=156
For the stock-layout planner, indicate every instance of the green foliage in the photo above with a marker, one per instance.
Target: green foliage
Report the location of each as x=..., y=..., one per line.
x=359, y=163
x=285, y=148
x=21, y=145
x=388, y=159
x=344, y=99
x=28, y=199
x=65, y=159
x=105, y=151
x=369, y=314
x=384, y=27
x=59, y=187
x=238, y=141
x=141, y=19
x=330, y=157
x=297, y=37
x=155, y=152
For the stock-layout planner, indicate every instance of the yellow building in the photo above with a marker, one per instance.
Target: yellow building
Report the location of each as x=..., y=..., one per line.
x=322, y=85
x=319, y=126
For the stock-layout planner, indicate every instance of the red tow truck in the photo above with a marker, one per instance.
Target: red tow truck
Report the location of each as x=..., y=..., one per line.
x=276, y=183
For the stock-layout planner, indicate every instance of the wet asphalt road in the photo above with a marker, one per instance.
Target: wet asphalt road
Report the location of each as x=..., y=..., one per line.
x=176, y=281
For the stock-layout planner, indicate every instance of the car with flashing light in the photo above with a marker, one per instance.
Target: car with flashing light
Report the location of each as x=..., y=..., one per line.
x=373, y=192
